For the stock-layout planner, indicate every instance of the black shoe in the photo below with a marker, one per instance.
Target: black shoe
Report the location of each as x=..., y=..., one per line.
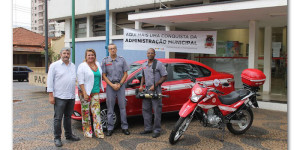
x=146, y=132
x=155, y=135
x=58, y=142
x=125, y=131
x=73, y=138
x=109, y=132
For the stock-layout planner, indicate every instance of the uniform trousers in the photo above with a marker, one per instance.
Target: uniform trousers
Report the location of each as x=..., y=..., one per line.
x=148, y=105
x=111, y=95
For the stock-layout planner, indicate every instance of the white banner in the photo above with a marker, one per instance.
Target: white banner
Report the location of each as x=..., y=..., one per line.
x=172, y=41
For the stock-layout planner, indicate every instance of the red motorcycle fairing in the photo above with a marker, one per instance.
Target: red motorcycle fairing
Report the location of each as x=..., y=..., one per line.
x=215, y=101
x=187, y=108
x=227, y=109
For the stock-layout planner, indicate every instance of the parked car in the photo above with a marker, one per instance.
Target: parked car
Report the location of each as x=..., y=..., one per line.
x=177, y=87
x=20, y=73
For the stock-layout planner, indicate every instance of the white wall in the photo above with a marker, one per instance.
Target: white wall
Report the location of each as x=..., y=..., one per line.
x=61, y=9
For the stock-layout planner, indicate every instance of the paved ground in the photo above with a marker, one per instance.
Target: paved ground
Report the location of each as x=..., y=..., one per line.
x=33, y=129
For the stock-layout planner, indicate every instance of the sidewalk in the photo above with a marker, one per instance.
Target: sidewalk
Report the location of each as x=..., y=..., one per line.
x=33, y=129
x=275, y=102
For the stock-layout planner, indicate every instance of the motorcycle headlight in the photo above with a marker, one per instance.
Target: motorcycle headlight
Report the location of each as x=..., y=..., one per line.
x=195, y=98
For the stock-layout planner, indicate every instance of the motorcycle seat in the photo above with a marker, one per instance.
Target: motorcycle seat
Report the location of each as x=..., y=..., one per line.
x=233, y=96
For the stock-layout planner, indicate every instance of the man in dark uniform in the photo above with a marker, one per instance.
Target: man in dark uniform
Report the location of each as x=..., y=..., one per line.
x=159, y=75
x=114, y=74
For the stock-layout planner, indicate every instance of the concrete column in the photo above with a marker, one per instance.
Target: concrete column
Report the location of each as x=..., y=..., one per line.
x=112, y=25
x=89, y=26
x=267, y=59
x=67, y=29
x=137, y=24
x=168, y=28
x=253, y=44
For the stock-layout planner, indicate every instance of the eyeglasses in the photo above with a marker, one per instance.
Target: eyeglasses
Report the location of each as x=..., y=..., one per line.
x=112, y=49
x=150, y=53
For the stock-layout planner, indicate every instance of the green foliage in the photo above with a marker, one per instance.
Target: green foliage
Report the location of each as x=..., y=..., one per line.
x=51, y=55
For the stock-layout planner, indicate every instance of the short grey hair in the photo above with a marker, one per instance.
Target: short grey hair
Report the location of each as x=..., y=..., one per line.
x=65, y=49
x=111, y=44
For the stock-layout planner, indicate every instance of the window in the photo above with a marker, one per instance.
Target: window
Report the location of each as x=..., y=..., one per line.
x=203, y=71
x=123, y=22
x=147, y=26
x=41, y=14
x=80, y=28
x=20, y=59
x=15, y=68
x=133, y=67
x=23, y=69
x=99, y=25
x=183, y=71
x=138, y=76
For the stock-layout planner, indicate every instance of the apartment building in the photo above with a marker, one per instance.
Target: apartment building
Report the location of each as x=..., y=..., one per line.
x=55, y=29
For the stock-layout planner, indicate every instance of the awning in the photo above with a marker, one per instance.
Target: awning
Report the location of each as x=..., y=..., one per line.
x=229, y=15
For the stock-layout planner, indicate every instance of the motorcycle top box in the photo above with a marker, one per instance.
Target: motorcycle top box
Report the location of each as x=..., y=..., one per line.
x=253, y=77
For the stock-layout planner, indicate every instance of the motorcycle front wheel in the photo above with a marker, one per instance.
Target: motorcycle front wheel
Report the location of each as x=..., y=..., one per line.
x=241, y=122
x=179, y=128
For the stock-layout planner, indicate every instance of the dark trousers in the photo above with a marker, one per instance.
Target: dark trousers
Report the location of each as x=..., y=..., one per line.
x=63, y=108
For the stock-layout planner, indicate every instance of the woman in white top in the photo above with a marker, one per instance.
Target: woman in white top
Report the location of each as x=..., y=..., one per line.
x=90, y=82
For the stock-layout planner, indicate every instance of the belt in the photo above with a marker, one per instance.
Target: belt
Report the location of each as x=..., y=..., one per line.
x=114, y=82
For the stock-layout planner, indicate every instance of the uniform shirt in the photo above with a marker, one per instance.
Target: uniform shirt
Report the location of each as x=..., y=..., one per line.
x=114, y=69
x=61, y=80
x=86, y=77
x=160, y=71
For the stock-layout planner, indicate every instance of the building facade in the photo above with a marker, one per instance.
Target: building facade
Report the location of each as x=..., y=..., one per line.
x=55, y=29
x=250, y=33
x=28, y=47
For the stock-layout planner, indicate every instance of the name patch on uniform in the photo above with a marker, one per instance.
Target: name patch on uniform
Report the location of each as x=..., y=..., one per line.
x=108, y=63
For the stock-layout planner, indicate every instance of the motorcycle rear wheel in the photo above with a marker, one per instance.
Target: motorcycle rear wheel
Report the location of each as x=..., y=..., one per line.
x=179, y=128
x=241, y=128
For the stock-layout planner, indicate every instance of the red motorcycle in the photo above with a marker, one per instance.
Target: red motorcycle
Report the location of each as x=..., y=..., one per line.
x=213, y=109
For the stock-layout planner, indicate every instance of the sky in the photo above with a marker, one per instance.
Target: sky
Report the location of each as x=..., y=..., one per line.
x=21, y=13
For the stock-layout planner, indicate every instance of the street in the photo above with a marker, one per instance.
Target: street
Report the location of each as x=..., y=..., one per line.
x=33, y=129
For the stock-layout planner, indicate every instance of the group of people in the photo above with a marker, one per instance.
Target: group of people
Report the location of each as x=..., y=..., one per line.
x=113, y=70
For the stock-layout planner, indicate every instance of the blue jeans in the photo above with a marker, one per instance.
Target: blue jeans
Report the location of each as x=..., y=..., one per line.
x=63, y=107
